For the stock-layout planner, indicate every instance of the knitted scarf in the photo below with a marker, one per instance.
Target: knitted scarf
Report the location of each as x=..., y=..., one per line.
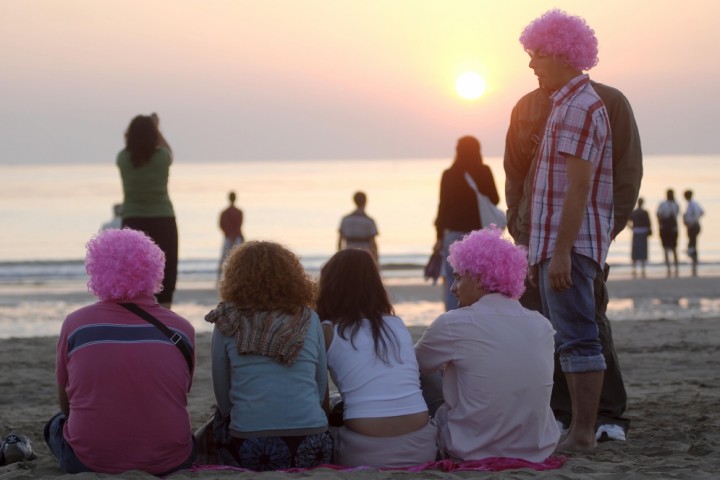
x=273, y=334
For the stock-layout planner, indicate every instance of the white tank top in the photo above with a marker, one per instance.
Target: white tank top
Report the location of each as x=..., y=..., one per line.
x=371, y=388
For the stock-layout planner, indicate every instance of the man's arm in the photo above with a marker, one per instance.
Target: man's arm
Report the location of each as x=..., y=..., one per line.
x=63, y=400
x=527, y=126
x=579, y=174
x=626, y=152
x=435, y=348
x=516, y=167
x=220, y=374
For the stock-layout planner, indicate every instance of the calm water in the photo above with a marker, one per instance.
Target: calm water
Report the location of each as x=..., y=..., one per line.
x=49, y=212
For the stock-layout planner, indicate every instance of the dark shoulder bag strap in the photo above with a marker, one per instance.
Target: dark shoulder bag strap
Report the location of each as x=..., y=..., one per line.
x=174, y=337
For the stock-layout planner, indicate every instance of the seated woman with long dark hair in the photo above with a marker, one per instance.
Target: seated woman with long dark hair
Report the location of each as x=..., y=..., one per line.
x=269, y=365
x=372, y=362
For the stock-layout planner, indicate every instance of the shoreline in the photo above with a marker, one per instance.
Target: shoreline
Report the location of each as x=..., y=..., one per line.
x=39, y=309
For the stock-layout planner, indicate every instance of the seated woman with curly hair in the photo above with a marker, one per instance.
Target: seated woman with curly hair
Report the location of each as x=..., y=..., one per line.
x=269, y=367
x=372, y=362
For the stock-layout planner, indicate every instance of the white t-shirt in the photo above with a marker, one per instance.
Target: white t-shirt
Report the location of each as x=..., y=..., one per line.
x=497, y=381
x=371, y=388
x=693, y=213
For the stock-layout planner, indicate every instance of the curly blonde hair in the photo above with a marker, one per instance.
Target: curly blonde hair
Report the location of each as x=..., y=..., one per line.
x=265, y=276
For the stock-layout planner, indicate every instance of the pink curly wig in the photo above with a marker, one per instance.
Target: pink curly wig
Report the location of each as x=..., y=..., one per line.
x=123, y=264
x=500, y=266
x=566, y=37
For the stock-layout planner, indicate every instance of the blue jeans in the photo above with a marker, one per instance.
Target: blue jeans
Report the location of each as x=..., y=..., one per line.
x=572, y=314
x=449, y=238
x=69, y=463
x=62, y=450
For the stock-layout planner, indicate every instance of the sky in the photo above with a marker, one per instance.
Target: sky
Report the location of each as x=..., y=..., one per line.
x=317, y=79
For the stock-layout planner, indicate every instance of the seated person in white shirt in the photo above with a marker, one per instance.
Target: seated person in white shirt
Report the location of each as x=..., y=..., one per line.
x=371, y=360
x=496, y=358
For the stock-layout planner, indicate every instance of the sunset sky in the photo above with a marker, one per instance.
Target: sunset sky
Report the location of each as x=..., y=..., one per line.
x=315, y=79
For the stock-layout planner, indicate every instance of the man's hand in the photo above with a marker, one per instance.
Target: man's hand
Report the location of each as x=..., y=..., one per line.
x=533, y=275
x=559, y=272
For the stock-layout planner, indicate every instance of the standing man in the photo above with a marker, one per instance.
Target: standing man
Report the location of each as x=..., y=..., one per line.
x=527, y=128
x=571, y=219
x=691, y=218
x=231, y=220
x=357, y=229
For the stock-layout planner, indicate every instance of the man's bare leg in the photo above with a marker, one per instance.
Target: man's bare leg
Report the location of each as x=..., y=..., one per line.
x=585, y=391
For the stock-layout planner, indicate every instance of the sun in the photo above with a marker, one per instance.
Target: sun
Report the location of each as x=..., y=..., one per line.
x=470, y=86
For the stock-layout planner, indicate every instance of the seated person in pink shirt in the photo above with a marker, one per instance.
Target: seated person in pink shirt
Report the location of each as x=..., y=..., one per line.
x=496, y=358
x=122, y=382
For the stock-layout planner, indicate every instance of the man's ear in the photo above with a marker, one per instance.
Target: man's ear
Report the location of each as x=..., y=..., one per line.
x=477, y=281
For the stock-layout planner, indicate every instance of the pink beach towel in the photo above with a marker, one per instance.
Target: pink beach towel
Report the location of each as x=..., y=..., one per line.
x=492, y=464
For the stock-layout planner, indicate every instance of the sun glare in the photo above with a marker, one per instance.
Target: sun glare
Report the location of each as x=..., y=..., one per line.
x=470, y=85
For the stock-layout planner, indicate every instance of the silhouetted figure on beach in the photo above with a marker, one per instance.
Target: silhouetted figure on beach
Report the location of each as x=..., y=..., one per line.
x=458, y=213
x=667, y=214
x=358, y=230
x=116, y=221
x=691, y=219
x=144, y=166
x=231, y=220
x=640, y=223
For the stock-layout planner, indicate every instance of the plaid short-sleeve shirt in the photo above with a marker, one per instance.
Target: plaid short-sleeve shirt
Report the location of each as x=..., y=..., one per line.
x=578, y=126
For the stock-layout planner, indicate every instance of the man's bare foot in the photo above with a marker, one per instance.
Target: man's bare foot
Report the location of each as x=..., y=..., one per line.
x=573, y=444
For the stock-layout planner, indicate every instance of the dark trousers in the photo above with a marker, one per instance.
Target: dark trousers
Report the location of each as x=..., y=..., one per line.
x=693, y=231
x=613, y=399
x=163, y=231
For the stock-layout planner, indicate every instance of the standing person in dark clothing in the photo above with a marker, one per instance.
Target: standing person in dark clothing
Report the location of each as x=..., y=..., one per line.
x=231, y=220
x=667, y=214
x=144, y=166
x=458, y=212
x=640, y=224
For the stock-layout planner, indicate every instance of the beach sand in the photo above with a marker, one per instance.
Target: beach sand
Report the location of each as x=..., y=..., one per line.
x=671, y=369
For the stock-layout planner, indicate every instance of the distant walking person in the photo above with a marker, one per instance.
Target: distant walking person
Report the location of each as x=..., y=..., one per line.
x=357, y=230
x=458, y=212
x=231, y=220
x=691, y=218
x=144, y=166
x=640, y=223
x=667, y=214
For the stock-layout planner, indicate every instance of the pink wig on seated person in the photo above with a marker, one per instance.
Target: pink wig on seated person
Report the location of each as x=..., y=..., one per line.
x=566, y=37
x=123, y=264
x=500, y=266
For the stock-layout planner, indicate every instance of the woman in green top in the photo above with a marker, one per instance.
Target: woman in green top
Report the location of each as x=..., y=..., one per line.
x=144, y=166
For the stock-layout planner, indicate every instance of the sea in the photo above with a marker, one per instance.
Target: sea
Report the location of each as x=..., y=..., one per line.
x=49, y=212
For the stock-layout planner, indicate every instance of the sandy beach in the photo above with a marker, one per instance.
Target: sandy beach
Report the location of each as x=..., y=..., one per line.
x=670, y=367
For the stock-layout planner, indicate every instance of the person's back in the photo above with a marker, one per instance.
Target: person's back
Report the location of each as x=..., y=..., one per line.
x=146, y=186
x=371, y=360
x=128, y=388
x=497, y=387
x=370, y=387
x=239, y=380
x=357, y=229
x=122, y=380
